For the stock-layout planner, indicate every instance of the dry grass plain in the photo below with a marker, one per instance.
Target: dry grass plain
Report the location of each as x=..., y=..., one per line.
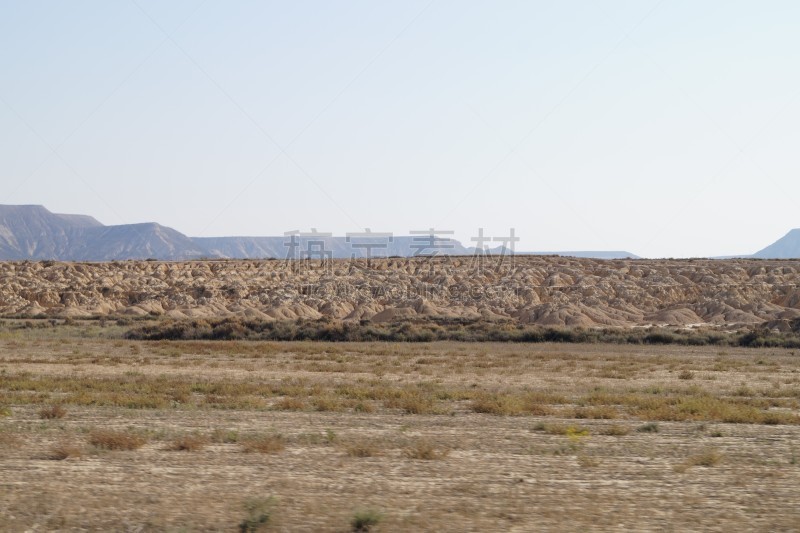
x=99, y=433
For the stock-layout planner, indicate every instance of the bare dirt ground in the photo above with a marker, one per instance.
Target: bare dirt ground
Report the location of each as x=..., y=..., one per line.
x=417, y=437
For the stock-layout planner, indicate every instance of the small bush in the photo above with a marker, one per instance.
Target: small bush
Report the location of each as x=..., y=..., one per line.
x=365, y=520
x=600, y=412
x=225, y=436
x=561, y=429
x=616, y=430
x=5, y=411
x=64, y=450
x=587, y=461
x=52, y=412
x=650, y=427
x=259, y=512
x=498, y=404
x=327, y=403
x=116, y=440
x=264, y=444
x=362, y=449
x=707, y=458
x=188, y=443
x=686, y=374
x=425, y=450
x=289, y=404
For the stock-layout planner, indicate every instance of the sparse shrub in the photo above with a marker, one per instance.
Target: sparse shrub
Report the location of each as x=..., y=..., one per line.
x=587, y=461
x=330, y=436
x=5, y=411
x=259, y=512
x=289, y=403
x=659, y=338
x=225, y=436
x=498, y=404
x=686, y=374
x=64, y=450
x=188, y=443
x=616, y=430
x=413, y=403
x=425, y=450
x=264, y=444
x=327, y=403
x=8, y=442
x=362, y=449
x=365, y=520
x=364, y=407
x=649, y=427
x=52, y=412
x=116, y=440
x=562, y=429
x=440, y=329
x=707, y=458
x=600, y=412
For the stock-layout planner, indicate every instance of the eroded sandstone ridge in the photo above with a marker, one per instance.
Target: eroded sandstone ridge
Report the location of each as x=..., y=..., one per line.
x=553, y=291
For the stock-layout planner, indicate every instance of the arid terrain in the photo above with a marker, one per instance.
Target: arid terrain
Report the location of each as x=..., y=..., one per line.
x=547, y=291
x=101, y=433
x=105, y=427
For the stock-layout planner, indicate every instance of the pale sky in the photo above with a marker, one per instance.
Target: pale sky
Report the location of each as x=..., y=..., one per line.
x=667, y=129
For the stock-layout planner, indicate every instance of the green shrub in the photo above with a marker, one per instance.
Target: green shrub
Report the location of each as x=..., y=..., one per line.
x=365, y=520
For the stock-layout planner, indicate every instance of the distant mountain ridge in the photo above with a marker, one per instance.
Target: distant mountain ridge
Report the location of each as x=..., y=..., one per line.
x=34, y=232
x=787, y=247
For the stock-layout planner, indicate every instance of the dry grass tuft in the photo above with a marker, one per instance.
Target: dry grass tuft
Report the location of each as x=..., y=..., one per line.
x=64, y=450
x=290, y=404
x=587, y=461
x=188, y=443
x=616, y=430
x=259, y=513
x=264, y=444
x=363, y=449
x=498, y=404
x=364, y=521
x=563, y=429
x=116, y=440
x=425, y=450
x=413, y=403
x=706, y=458
x=9, y=441
x=52, y=412
x=225, y=436
x=601, y=412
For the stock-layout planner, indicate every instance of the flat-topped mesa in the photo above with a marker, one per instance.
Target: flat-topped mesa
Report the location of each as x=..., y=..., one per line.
x=551, y=291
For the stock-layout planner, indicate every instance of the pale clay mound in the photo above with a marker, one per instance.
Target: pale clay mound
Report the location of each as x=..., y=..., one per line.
x=548, y=291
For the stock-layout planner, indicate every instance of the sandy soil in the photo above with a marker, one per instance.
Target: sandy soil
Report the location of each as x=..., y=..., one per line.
x=490, y=472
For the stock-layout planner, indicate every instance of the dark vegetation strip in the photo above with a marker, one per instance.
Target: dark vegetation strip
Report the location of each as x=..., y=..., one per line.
x=449, y=330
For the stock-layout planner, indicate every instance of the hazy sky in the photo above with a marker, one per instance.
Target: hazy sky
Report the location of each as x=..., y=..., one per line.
x=662, y=128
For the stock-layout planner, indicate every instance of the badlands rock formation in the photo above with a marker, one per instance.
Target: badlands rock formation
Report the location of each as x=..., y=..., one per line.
x=552, y=291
